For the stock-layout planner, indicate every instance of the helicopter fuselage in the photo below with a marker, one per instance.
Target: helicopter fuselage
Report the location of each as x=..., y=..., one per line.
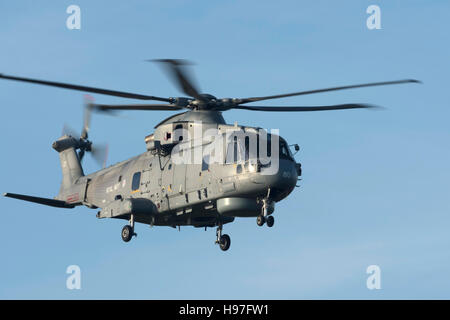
x=158, y=190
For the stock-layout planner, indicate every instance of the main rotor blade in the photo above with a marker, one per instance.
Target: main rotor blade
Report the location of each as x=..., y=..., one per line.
x=85, y=88
x=373, y=84
x=301, y=109
x=180, y=77
x=108, y=107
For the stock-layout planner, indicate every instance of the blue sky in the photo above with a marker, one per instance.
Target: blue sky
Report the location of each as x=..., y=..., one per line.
x=375, y=187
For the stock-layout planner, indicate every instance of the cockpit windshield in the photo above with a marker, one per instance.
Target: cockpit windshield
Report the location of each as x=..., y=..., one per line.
x=250, y=148
x=285, y=152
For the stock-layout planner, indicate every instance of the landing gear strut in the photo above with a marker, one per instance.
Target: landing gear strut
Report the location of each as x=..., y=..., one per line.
x=265, y=215
x=223, y=240
x=128, y=230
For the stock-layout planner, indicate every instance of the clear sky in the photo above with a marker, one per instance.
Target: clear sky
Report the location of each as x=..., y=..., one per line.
x=375, y=188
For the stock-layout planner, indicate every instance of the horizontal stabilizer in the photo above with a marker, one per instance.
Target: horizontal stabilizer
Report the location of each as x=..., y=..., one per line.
x=44, y=201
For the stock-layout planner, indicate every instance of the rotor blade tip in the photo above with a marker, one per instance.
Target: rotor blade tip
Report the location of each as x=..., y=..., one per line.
x=176, y=62
x=375, y=107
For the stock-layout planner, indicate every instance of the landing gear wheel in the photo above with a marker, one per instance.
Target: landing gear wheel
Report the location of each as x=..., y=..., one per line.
x=260, y=220
x=127, y=233
x=270, y=221
x=225, y=242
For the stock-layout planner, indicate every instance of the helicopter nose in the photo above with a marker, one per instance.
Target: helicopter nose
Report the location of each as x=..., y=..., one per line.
x=281, y=181
x=285, y=177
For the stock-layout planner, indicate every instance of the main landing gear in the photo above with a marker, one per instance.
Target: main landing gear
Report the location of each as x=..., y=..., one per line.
x=223, y=240
x=128, y=230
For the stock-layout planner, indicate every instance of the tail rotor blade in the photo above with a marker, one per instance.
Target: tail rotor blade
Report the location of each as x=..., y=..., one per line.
x=100, y=154
x=88, y=105
x=67, y=130
x=81, y=154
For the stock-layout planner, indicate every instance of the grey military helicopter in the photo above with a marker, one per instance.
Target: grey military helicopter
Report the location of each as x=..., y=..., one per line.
x=153, y=189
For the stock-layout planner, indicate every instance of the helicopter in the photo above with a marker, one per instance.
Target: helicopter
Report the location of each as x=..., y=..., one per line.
x=175, y=182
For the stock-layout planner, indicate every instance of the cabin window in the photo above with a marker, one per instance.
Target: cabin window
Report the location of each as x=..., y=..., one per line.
x=244, y=148
x=136, y=182
x=205, y=163
x=235, y=152
x=267, y=140
x=179, y=132
x=229, y=157
x=247, y=148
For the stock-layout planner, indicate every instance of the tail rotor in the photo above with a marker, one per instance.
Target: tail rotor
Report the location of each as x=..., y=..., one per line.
x=99, y=152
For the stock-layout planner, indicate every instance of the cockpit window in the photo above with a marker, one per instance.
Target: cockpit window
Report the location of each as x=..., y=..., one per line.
x=250, y=148
x=285, y=152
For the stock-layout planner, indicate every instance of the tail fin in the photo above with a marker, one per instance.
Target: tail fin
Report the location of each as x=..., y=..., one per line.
x=70, y=163
x=68, y=196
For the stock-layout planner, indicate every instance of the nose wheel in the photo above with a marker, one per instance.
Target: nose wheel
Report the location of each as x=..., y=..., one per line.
x=260, y=220
x=270, y=220
x=128, y=230
x=223, y=240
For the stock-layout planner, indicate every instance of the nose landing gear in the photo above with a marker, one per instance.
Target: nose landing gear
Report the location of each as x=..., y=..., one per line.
x=267, y=209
